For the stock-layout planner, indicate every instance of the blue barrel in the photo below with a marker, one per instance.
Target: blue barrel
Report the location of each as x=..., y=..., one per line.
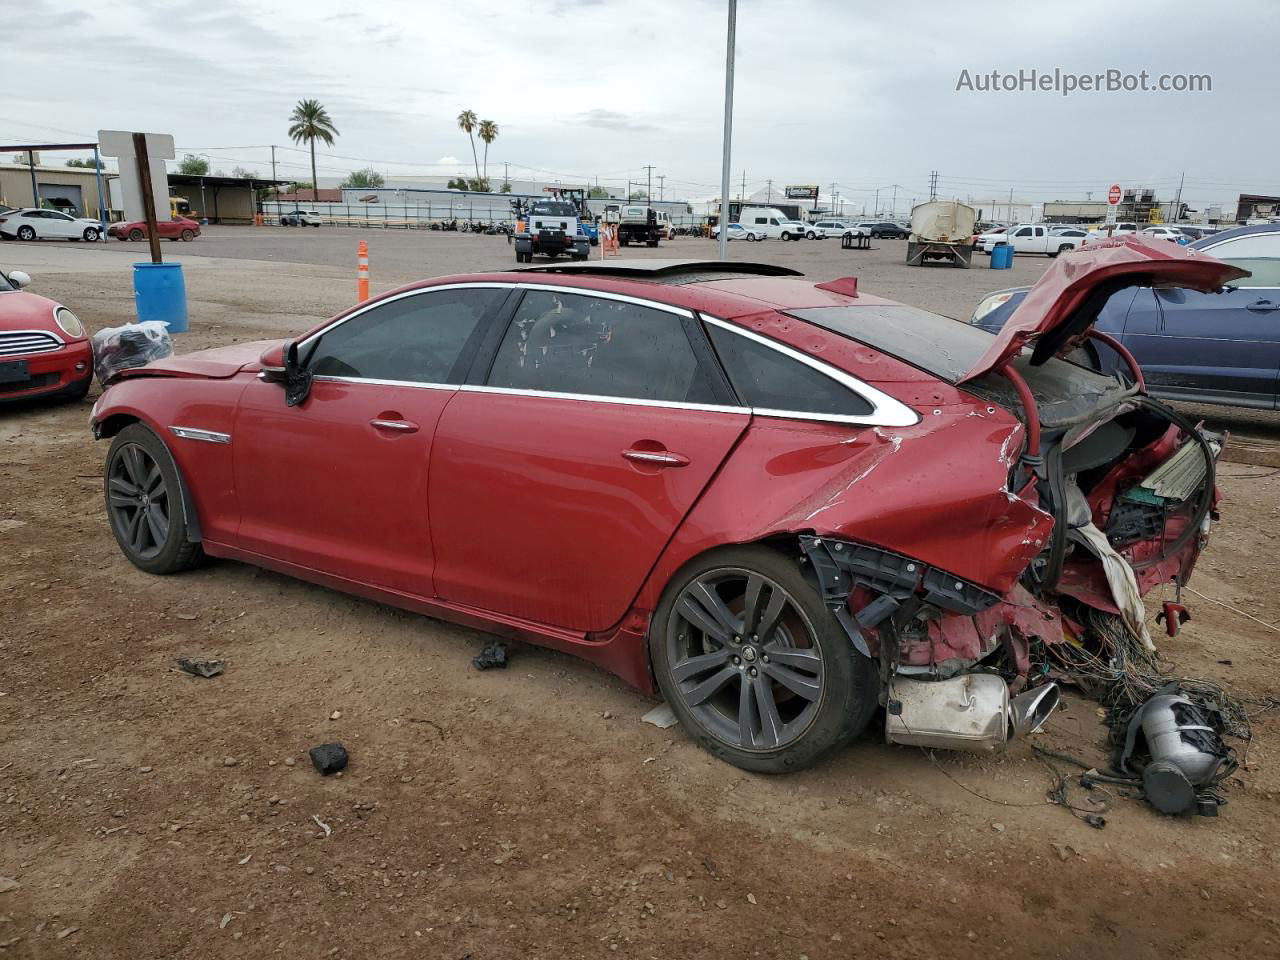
x=1002, y=257
x=160, y=293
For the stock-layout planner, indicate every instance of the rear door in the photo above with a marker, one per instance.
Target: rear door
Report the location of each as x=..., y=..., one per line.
x=339, y=484
x=559, y=475
x=1222, y=347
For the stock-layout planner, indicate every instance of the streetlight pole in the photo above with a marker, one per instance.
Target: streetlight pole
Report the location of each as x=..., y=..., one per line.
x=728, y=131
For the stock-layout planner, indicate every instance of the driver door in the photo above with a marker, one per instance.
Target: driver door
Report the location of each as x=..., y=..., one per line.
x=338, y=484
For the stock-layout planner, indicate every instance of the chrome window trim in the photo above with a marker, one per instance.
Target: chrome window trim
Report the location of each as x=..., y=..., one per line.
x=886, y=411
x=385, y=383
x=199, y=433
x=593, y=398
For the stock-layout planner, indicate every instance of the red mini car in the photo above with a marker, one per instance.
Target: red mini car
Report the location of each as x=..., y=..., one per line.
x=780, y=503
x=179, y=228
x=43, y=348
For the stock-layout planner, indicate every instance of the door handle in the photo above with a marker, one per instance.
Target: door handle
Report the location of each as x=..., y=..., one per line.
x=400, y=426
x=656, y=458
x=1262, y=306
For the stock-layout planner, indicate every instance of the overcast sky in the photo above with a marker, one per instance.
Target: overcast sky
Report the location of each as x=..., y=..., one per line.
x=859, y=93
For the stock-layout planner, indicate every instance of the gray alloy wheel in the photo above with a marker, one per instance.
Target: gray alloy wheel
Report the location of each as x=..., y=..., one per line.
x=138, y=500
x=144, y=503
x=747, y=667
x=26, y=232
x=91, y=234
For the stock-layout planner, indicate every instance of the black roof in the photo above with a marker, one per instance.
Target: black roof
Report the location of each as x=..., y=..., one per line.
x=194, y=180
x=668, y=271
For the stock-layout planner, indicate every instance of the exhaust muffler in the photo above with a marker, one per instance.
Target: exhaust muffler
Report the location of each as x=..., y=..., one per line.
x=970, y=712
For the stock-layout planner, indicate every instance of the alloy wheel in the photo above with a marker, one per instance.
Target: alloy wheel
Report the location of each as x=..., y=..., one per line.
x=744, y=659
x=138, y=500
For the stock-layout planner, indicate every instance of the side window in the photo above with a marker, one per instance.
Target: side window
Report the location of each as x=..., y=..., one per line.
x=1024, y=232
x=1257, y=253
x=766, y=379
x=570, y=343
x=760, y=220
x=416, y=338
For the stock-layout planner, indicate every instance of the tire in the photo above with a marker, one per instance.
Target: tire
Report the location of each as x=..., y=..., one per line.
x=819, y=700
x=26, y=233
x=751, y=238
x=1065, y=248
x=653, y=243
x=143, y=496
x=811, y=235
x=188, y=236
x=136, y=234
x=77, y=391
x=91, y=235
x=785, y=237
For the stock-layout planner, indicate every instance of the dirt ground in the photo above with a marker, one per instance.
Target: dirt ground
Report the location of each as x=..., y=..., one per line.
x=529, y=812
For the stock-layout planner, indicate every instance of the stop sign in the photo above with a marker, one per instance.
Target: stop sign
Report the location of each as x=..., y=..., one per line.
x=1113, y=195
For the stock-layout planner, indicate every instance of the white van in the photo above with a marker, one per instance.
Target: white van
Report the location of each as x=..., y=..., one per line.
x=772, y=222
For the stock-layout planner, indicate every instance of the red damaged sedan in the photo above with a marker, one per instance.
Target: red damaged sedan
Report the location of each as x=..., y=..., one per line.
x=179, y=228
x=781, y=504
x=44, y=352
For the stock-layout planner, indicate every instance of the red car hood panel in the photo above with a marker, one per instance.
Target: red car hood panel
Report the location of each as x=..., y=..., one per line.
x=216, y=364
x=20, y=310
x=1058, y=303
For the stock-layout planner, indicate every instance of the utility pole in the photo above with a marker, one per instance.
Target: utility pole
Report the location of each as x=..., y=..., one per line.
x=649, y=191
x=662, y=186
x=895, y=202
x=273, y=164
x=770, y=183
x=742, y=194
x=726, y=150
x=1177, y=203
x=1011, y=204
x=876, y=212
x=933, y=185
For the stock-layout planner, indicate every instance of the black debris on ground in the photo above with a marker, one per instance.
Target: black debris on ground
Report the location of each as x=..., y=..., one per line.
x=493, y=656
x=200, y=666
x=329, y=757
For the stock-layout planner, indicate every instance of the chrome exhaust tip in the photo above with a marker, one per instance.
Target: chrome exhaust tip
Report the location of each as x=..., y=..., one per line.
x=1028, y=711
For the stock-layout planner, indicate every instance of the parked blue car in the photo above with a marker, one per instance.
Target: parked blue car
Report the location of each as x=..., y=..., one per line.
x=1221, y=348
x=591, y=231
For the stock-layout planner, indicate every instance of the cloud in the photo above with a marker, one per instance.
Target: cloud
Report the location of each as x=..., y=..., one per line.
x=447, y=162
x=612, y=120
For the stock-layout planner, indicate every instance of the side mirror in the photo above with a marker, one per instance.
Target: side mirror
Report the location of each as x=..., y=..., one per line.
x=18, y=278
x=297, y=379
x=272, y=361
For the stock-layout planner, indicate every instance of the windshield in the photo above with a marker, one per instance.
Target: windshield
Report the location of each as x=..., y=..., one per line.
x=553, y=208
x=946, y=348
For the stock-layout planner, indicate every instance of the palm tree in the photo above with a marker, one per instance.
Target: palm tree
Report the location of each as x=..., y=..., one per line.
x=467, y=121
x=310, y=122
x=488, y=133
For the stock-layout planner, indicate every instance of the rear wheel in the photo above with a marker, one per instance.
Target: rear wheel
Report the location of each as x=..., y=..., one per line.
x=26, y=233
x=144, y=503
x=753, y=663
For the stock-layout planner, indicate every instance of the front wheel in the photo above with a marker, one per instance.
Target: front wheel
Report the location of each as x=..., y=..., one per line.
x=755, y=665
x=188, y=235
x=786, y=237
x=144, y=503
x=136, y=234
x=91, y=235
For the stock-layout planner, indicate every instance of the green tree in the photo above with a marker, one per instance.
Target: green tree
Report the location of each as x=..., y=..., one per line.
x=467, y=122
x=193, y=165
x=86, y=163
x=639, y=195
x=506, y=187
x=598, y=193
x=363, y=179
x=310, y=122
x=488, y=133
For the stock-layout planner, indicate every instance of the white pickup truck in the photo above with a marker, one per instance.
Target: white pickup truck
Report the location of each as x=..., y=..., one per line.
x=1029, y=238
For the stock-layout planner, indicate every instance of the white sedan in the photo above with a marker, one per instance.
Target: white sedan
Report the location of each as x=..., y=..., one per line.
x=738, y=232
x=33, y=224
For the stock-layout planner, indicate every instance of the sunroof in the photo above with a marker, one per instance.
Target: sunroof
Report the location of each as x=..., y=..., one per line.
x=656, y=269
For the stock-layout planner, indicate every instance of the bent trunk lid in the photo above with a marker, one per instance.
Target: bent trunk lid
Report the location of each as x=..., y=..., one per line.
x=1064, y=303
